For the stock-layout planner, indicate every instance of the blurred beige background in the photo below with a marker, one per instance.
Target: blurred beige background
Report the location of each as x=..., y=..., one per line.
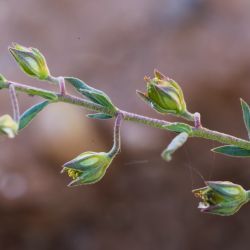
x=143, y=203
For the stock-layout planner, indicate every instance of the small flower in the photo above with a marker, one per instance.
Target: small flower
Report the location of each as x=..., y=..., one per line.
x=8, y=126
x=87, y=168
x=31, y=61
x=221, y=197
x=165, y=96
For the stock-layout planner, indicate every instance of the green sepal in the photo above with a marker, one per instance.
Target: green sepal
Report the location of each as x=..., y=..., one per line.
x=168, y=95
x=175, y=144
x=231, y=150
x=30, y=114
x=94, y=95
x=159, y=75
x=179, y=127
x=153, y=105
x=2, y=78
x=46, y=95
x=143, y=96
x=100, y=116
x=225, y=188
x=3, y=81
x=246, y=115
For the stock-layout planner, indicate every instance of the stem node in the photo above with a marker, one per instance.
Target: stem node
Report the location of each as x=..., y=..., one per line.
x=197, y=120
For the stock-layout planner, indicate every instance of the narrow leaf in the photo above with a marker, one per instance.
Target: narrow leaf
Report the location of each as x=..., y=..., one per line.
x=100, y=116
x=30, y=114
x=179, y=127
x=231, y=150
x=98, y=97
x=176, y=143
x=39, y=92
x=94, y=95
x=77, y=83
x=246, y=115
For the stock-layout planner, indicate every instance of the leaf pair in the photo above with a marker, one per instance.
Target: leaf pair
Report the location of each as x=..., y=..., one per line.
x=94, y=95
x=235, y=151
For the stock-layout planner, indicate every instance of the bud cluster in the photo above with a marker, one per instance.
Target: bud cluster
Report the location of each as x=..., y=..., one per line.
x=162, y=93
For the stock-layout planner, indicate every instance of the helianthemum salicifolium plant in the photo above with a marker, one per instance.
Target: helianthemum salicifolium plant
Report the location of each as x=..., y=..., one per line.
x=163, y=94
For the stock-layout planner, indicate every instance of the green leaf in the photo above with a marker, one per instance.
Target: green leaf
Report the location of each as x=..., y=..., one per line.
x=45, y=94
x=179, y=127
x=77, y=83
x=98, y=97
x=95, y=95
x=100, y=116
x=231, y=150
x=246, y=115
x=176, y=143
x=30, y=114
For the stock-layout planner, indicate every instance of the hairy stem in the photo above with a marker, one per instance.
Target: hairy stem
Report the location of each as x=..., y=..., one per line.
x=127, y=116
x=117, y=135
x=14, y=102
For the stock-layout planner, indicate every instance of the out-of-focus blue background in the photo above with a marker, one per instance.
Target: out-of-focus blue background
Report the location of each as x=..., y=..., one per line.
x=143, y=203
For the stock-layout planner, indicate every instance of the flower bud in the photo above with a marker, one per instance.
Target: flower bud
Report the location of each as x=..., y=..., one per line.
x=221, y=197
x=165, y=96
x=87, y=168
x=31, y=61
x=8, y=126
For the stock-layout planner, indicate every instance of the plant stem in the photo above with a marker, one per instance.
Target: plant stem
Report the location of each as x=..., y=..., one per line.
x=14, y=103
x=117, y=136
x=127, y=116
